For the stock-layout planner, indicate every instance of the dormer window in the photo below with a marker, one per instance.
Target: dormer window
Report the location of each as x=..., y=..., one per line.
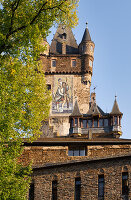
x=73, y=62
x=90, y=63
x=53, y=62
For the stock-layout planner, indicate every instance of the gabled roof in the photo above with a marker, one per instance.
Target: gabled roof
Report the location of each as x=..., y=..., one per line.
x=115, y=109
x=86, y=36
x=70, y=42
x=76, y=111
x=95, y=110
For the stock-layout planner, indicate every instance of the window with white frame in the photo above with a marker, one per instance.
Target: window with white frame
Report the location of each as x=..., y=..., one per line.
x=77, y=151
x=53, y=62
x=73, y=62
x=90, y=63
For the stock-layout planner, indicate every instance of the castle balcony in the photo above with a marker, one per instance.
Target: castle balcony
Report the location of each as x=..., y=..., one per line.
x=116, y=128
x=75, y=130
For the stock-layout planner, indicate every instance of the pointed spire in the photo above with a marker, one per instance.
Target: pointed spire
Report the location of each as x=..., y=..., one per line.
x=86, y=36
x=115, y=109
x=76, y=111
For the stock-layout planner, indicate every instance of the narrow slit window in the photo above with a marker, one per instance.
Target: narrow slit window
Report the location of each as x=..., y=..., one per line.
x=125, y=189
x=90, y=63
x=77, y=188
x=54, y=190
x=101, y=187
x=91, y=48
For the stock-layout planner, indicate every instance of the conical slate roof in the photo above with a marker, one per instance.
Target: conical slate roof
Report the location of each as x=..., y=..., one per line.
x=115, y=109
x=86, y=36
x=76, y=111
x=70, y=42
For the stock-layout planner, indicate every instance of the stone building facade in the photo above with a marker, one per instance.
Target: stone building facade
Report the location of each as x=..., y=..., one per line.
x=80, y=155
x=68, y=71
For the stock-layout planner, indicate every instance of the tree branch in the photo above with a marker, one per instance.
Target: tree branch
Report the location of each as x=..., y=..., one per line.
x=13, y=13
x=35, y=17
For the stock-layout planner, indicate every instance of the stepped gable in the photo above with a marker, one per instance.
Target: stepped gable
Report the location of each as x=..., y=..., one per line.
x=115, y=109
x=69, y=40
x=76, y=111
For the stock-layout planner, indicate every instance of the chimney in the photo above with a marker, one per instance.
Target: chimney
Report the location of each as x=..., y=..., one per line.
x=63, y=47
x=64, y=43
x=93, y=98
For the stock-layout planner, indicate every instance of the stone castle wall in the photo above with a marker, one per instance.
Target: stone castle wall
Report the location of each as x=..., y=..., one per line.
x=41, y=155
x=65, y=176
x=78, y=82
x=53, y=163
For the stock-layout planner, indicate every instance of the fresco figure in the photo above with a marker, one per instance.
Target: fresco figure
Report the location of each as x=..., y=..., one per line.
x=62, y=95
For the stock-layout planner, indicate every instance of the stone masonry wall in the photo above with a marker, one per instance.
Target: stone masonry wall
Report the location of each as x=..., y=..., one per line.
x=42, y=155
x=88, y=172
x=60, y=121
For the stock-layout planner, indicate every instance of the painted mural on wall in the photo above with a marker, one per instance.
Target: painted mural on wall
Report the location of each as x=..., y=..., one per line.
x=62, y=95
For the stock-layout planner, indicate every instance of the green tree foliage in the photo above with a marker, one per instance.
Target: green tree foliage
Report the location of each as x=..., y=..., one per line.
x=24, y=98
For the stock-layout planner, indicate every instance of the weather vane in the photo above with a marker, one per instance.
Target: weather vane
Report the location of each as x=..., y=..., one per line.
x=94, y=88
x=87, y=24
x=115, y=96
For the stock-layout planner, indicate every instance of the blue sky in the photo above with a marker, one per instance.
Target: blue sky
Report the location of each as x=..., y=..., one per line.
x=109, y=24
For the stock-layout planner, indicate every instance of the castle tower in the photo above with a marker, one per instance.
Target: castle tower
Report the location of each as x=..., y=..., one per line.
x=68, y=72
x=86, y=49
x=116, y=116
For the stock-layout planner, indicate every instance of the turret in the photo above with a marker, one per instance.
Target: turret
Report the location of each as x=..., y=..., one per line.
x=86, y=49
x=116, y=116
x=75, y=120
x=87, y=46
